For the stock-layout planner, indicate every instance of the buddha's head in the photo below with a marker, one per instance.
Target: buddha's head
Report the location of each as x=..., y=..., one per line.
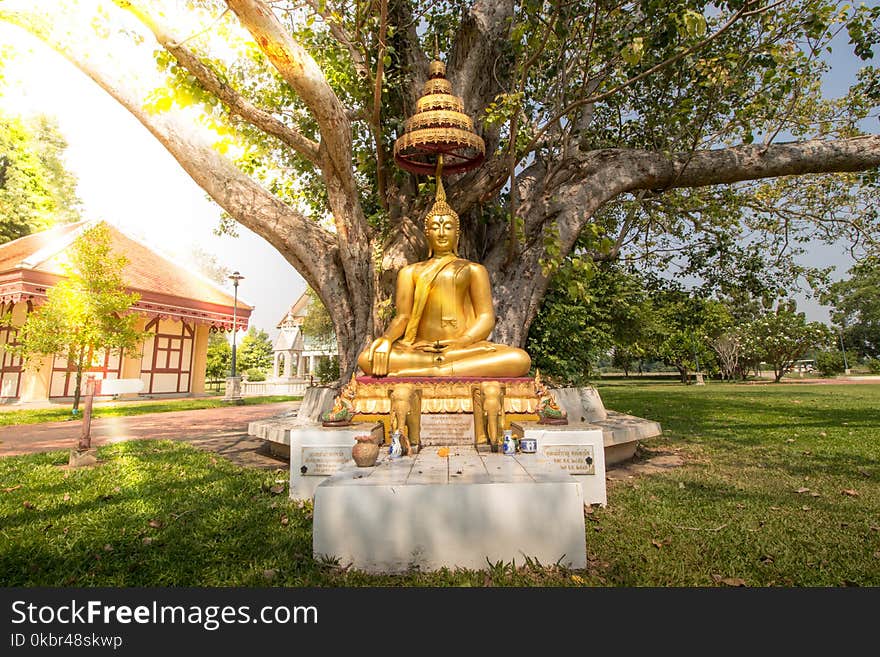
x=441, y=226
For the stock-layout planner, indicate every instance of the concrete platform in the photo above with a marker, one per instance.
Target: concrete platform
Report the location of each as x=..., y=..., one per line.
x=575, y=448
x=467, y=510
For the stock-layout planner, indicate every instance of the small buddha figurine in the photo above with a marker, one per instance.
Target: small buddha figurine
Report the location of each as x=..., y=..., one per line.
x=444, y=314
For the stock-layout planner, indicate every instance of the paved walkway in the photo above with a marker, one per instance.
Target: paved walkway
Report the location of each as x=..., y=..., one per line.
x=221, y=430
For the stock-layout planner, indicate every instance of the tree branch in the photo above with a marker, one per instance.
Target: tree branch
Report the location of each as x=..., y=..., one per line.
x=305, y=77
x=212, y=83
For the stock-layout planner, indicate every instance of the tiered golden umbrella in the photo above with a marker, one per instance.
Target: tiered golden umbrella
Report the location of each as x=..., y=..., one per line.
x=439, y=134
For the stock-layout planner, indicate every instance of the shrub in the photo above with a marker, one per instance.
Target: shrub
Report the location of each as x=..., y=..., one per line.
x=873, y=365
x=829, y=363
x=255, y=374
x=327, y=369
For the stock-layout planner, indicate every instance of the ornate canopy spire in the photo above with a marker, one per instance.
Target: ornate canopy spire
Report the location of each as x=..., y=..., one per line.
x=439, y=128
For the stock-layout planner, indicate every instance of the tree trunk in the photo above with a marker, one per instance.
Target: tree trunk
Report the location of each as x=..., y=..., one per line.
x=683, y=374
x=79, y=371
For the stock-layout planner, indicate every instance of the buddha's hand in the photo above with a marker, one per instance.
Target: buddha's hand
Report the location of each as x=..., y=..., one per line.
x=379, y=351
x=438, y=346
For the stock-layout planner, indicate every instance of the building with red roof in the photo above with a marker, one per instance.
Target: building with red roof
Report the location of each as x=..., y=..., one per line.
x=178, y=308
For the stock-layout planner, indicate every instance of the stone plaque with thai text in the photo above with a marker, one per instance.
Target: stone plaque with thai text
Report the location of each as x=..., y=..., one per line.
x=324, y=460
x=574, y=459
x=447, y=429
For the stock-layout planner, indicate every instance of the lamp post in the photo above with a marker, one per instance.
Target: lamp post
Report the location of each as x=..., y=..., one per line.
x=233, y=383
x=235, y=277
x=843, y=350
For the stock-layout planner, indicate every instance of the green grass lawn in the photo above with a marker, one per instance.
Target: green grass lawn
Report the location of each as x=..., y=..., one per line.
x=125, y=408
x=780, y=487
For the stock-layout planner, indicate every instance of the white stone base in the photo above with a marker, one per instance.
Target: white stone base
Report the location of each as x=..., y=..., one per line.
x=469, y=510
x=326, y=449
x=566, y=445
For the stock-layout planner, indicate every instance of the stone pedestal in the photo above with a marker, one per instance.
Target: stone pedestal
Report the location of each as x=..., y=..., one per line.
x=233, y=390
x=318, y=452
x=469, y=510
x=578, y=449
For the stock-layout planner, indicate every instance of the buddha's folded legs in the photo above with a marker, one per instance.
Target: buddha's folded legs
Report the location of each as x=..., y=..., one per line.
x=481, y=359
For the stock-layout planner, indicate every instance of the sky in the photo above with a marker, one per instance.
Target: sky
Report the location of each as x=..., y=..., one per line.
x=129, y=180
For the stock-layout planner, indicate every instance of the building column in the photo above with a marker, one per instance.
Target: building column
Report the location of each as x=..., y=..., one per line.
x=300, y=364
x=200, y=358
x=288, y=364
x=275, y=365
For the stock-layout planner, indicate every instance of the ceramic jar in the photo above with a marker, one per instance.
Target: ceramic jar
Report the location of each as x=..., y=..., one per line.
x=365, y=452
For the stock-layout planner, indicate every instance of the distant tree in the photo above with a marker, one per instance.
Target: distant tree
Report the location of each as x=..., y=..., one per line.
x=36, y=190
x=86, y=314
x=781, y=336
x=728, y=348
x=209, y=266
x=856, y=307
x=684, y=327
x=317, y=324
x=255, y=351
x=591, y=308
x=219, y=356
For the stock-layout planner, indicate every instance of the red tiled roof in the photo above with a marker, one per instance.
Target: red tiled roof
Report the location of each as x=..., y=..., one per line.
x=146, y=270
x=12, y=253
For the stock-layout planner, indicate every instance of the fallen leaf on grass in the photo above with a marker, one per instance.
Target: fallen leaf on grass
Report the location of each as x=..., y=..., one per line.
x=269, y=575
x=823, y=434
x=766, y=559
x=28, y=505
x=285, y=520
x=443, y=452
x=874, y=528
x=146, y=540
x=733, y=581
x=659, y=544
x=815, y=494
x=276, y=490
x=12, y=488
x=155, y=524
x=850, y=492
x=66, y=497
x=789, y=440
x=108, y=547
x=577, y=579
x=863, y=472
x=806, y=508
x=877, y=555
x=802, y=490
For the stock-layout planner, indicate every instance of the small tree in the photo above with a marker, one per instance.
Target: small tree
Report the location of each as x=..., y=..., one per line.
x=85, y=314
x=782, y=336
x=728, y=347
x=219, y=356
x=255, y=351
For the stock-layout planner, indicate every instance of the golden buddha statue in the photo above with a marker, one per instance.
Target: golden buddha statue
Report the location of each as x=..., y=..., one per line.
x=444, y=314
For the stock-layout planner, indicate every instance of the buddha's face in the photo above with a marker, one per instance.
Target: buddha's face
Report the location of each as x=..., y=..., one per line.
x=442, y=234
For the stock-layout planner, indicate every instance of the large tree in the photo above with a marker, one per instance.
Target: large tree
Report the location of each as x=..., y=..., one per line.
x=630, y=116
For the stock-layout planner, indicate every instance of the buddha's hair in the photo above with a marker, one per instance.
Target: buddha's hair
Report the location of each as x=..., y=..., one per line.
x=441, y=207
